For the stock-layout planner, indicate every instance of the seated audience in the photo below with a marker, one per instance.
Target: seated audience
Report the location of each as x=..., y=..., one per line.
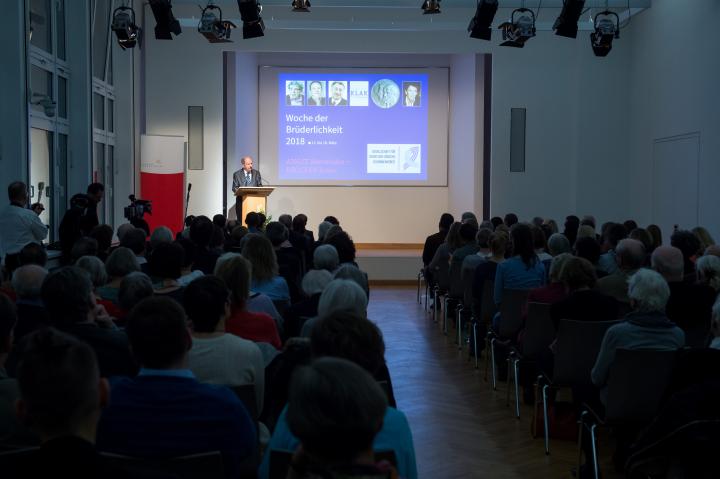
x=656, y=234
x=61, y=398
x=704, y=236
x=165, y=411
x=646, y=327
x=103, y=234
x=589, y=249
x=217, y=357
x=510, y=219
x=708, y=271
x=134, y=287
x=123, y=229
x=689, y=305
x=540, y=243
x=161, y=234
x=351, y=272
x=120, y=263
x=84, y=247
x=572, y=223
x=313, y=285
x=95, y=268
x=326, y=257
x=339, y=296
x=690, y=246
x=33, y=253
x=288, y=257
x=187, y=274
x=258, y=327
x=201, y=233
x=134, y=239
x=523, y=270
x=165, y=268
x=486, y=270
x=558, y=244
x=265, y=278
x=630, y=256
x=299, y=225
x=68, y=297
x=345, y=247
x=468, y=245
x=433, y=242
x=439, y=267
x=612, y=235
x=555, y=290
x=27, y=282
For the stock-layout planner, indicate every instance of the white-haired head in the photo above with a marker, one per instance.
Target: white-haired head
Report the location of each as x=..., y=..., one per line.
x=161, y=234
x=326, y=257
x=708, y=269
x=315, y=281
x=343, y=295
x=558, y=244
x=27, y=281
x=668, y=261
x=648, y=291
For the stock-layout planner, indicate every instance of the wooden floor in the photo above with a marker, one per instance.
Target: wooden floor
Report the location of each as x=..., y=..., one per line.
x=461, y=427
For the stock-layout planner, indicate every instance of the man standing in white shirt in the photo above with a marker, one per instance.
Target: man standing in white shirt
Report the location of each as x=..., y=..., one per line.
x=19, y=225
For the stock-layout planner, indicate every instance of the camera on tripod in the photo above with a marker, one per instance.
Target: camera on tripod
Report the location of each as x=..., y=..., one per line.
x=137, y=208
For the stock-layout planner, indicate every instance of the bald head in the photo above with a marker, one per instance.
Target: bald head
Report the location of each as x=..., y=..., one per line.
x=630, y=254
x=668, y=261
x=27, y=281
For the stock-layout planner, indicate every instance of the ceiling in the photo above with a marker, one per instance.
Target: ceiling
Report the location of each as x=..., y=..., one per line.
x=400, y=15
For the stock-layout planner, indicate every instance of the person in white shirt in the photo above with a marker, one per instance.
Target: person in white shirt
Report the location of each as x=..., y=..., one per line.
x=19, y=225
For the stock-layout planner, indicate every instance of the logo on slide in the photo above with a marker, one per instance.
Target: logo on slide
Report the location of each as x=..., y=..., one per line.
x=385, y=93
x=411, y=159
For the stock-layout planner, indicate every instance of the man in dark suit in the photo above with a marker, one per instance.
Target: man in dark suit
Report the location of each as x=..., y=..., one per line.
x=244, y=177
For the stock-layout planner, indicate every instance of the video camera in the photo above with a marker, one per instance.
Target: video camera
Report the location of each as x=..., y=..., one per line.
x=137, y=208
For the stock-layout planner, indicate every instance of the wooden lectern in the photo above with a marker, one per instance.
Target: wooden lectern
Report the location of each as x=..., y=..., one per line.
x=254, y=198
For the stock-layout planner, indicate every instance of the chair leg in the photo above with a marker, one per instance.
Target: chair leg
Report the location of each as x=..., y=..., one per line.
x=419, y=277
x=515, y=363
x=445, y=314
x=581, y=428
x=475, y=343
x=458, y=314
x=545, y=418
x=435, y=304
x=492, y=363
x=593, y=447
x=507, y=389
x=427, y=287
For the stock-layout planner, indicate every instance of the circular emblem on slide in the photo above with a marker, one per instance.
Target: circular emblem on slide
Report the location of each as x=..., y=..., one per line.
x=385, y=93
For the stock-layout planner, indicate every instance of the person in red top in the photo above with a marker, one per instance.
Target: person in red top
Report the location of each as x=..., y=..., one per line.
x=234, y=270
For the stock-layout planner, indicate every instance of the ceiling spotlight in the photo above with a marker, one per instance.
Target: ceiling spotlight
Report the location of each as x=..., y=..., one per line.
x=213, y=27
x=165, y=21
x=605, y=31
x=253, y=25
x=566, y=24
x=301, y=6
x=517, y=32
x=431, y=6
x=480, y=24
x=123, y=24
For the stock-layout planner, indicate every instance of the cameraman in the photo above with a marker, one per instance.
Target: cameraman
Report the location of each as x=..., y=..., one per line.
x=81, y=218
x=19, y=225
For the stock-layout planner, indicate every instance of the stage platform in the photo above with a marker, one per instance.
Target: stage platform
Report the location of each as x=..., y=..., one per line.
x=390, y=263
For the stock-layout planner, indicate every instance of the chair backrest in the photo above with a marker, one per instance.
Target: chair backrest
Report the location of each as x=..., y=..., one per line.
x=623, y=309
x=511, y=309
x=539, y=329
x=577, y=348
x=637, y=383
x=442, y=275
x=467, y=276
x=246, y=394
x=455, y=286
x=488, y=308
x=698, y=336
x=280, y=462
x=196, y=466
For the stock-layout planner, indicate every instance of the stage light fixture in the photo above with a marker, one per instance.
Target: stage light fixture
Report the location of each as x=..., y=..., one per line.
x=165, y=21
x=213, y=27
x=253, y=25
x=125, y=28
x=566, y=24
x=301, y=6
x=480, y=24
x=430, y=7
x=517, y=31
x=605, y=31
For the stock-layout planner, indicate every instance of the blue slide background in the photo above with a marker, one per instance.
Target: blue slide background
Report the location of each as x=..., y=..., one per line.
x=343, y=156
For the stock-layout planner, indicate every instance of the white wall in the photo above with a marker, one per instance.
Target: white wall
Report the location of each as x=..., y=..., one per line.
x=674, y=71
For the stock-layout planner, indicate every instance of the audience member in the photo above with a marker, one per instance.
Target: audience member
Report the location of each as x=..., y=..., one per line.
x=332, y=220
x=165, y=411
x=589, y=249
x=433, y=242
x=630, y=225
x=555, y=290
x=704, y=236
x=33, y=253
x=496, y=221
x=134, y=240
x=134, y=287
x=552, y=226
x=339, y=296
x=523, y=270
x=690, y=246
x=161, y=234
x=313, y=284
x=123, y=229
x=612, y=235
x=469, y=246
x=558, y=244
x=265, y=279
x=165, y=268
x=630, y=256
x=288, y=257
x=485, y=272
x=510, y=220
x=540, y=244
x=572, y=223
x=120, y=263
x=103, y=234
x=326, y=257
x=708, y=271
x=643, y=236
x=656, y=234
x=27, y=282
x=201, y=233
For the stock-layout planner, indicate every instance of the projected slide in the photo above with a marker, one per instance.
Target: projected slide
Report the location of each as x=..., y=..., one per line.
x=352, y=126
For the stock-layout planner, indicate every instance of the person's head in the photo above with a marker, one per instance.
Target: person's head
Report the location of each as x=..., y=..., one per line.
x=630, y=254
x=67, y=294
x=558, y=244
x=537, y=221
x=252, y=220
x=27, y=281
x=468, y=215
x=585, y=231
x=134, y=287
x=121, y=261
x=648, y=291
x=453, y=236
x=446, y=219
x=95, y=268
x=352, y=337
x=158, y=334
x=499, y=243
x=353, y=273
x=103, y=234
x=589, y=249
x=17, y=192
x=337, y=89
x=33, y=253
x=323, y=229
x=235, y=272
x=315, y=280
x=656, y=234
x=316, y=89
x=259, y=251
x=201, y=231
x=343, y=295
x=556, y=267
x=219, y=220
x=578, y=273
x=295, y=90
x=96, y=191
x=539, y=241
x=589, y=220
x=188, y=220
x=285, y=220
x=207, y=302
x=689, y=244
x=483, y=237
x=644, y=237
x=161, y=234
x=668, y=261
x=344, y=245
x=551, y=226
x=411, y=91
x=123, y=230
x=332, y=220
x=704, y=236
x=332, y=231
x=487, y=224
x=468, y=231
x=277, y=233
x=335, y=409
x=8, y=319
x=238, y=233
x=510, y=219
x=61, y=392
x=167, y=261
x=326, y=257
x=614, y=233
x=708, y=269
x=630, y=225
x=496, y=221
x=134, y=239
x=85, y=246
x=522, y=243
x=299, y=222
